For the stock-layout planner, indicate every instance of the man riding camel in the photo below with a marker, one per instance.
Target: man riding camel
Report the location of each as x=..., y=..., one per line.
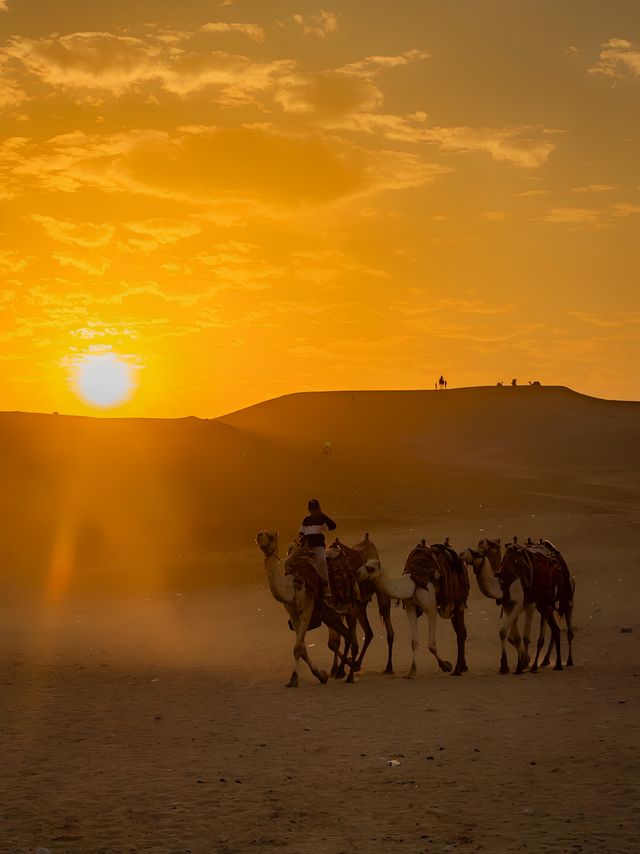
x=312, y=530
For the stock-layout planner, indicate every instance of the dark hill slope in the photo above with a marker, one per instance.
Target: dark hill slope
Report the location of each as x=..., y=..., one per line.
x=145, y=499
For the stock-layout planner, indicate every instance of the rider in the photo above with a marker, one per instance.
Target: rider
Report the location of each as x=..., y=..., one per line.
x=312, y=530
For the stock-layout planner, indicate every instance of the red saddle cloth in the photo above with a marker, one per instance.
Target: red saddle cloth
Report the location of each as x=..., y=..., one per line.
x=342, y=577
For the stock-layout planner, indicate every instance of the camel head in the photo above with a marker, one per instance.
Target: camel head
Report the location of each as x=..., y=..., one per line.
x=367, y=548
x=473, y=557
x=268, y=542
x=492, y=548
x=370, y=571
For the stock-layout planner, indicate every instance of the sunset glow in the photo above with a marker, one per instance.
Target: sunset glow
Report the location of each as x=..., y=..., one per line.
x=262, y=198
x=103, y=380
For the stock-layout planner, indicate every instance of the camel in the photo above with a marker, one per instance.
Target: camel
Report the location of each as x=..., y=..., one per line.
x=369, y=552
x=529, y=577
x=549, y=585
x=303, y=602
x=358, y=556
x=513, y=601
x=426, y=595
x=343, y=563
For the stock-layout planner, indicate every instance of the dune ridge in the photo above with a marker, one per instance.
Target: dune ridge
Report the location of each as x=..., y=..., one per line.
x=176, y=499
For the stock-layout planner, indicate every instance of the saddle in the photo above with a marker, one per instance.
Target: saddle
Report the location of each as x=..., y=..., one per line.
x=440, y=566
x=342, y=577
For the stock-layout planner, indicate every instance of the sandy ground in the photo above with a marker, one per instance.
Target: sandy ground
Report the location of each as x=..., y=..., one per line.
x=162, y=724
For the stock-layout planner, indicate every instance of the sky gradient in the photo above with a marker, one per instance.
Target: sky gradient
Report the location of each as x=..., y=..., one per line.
x=245, y=199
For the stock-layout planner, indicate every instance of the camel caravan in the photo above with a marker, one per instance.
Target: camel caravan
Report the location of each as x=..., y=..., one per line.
x=521, y=579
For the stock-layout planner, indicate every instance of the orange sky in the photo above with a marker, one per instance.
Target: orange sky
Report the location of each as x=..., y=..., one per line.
x=243, y=199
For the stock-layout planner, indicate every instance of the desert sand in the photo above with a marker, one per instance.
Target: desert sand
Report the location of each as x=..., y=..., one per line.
x=143, y=660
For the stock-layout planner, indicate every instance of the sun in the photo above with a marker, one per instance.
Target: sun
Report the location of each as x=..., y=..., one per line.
x=103, y=380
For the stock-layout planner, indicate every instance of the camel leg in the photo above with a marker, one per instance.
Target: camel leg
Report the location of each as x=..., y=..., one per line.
x=539, y=644
x=426, y=600
x=334, y=645
x=555, y=634
x=300, y=622
x=547, y=656
x=547, y=617
x=363, y=619
x=333, y=621
x=352, y=625
x=385, y=613
x=510, y=614
x=320, y=675
x=350, y=643
x=413, y=629
x=568, y=617
x=457, y=621
x=516, y=641
x=526, y=639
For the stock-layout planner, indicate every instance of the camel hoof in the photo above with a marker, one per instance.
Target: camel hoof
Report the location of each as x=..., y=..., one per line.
x=558, y=667
x=388, y=670
x=504, y=669
x=446, y=666
x=293, y=682
x=570, y=663
x=356, y=667
x=544, y=662
x=457, y=673
x=411, y=675
x=350, y=679
x=534, y=668
x=323, y=677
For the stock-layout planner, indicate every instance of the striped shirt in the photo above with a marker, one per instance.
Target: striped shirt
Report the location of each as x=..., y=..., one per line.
x=312, y=528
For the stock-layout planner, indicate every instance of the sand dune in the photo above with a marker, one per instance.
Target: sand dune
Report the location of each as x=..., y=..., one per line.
x=182, y=496
x=142, y=659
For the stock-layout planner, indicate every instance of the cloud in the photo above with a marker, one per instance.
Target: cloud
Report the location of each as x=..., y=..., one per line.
x=495, y=215
x=92, y=264
x=12, y=261
x=85, y=234
x=453, y=305
x=96, y=329
x=615, y=320
x=573, y=215
x=107, y=62
x=371, y=66
x=322, y=25
x=521, y=146
x=528, y=193
x=326, y=94
x=238, y=79
x=252, y=31
x=618, y=58
x=398, y=128
x=600, y=217
x=93, y=60
x=595, y=188
x=11, y=94
x=623, y=209
x=341, y=92
x=161, y=232
x=515, y=145
x=235, y=168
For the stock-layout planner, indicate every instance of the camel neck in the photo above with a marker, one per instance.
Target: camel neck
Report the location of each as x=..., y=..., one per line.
x=396, y=588
x=487, y=581
x=278, y=583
